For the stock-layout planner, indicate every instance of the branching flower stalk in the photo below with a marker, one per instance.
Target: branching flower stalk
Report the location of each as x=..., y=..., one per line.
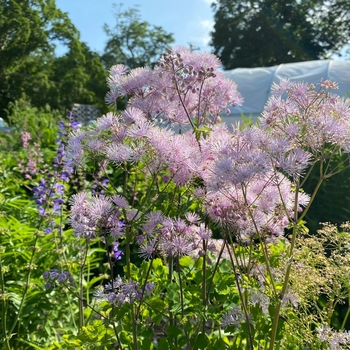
x=261, y=241
x=246, y=181
x=128, y=239
x=242, y=299
x=143, y=289
x=286, y=278
x=204, y=283
x=104, y=317
x=178, y=268
x=84, y=253
x=110, y=263
x=295, y=228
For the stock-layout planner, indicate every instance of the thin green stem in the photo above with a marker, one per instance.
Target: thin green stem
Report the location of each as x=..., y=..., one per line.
x=62, y=256
x=286, y=279
x=346, y=315
x=108, y=321
x=184, y=106
x=182, y=299
x=331, y=307
x=134, y=328
x=170, y=278
x=307, y=175
x=128, y=252
x=81, y=287
x=112, y=278
x=143, y=289
x=204, y=284
x=297, y=220
x=320, y=181
x=4, y=306
x=245, y=310
x=128, y=237
x=215, y=269
x=262, y=244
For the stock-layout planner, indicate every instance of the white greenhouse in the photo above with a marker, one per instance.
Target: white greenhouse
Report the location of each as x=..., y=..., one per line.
x=255, y=83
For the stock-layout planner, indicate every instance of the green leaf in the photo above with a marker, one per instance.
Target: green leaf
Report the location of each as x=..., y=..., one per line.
x=173, y=331
x=186, y=261
x=201, y=342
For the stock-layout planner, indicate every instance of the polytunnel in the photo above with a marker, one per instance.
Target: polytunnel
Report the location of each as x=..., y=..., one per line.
x=255, y=83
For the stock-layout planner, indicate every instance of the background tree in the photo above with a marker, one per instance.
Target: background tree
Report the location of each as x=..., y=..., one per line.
x=268, y=32
x=29, y=66
x=134, y=42
x=78, y=77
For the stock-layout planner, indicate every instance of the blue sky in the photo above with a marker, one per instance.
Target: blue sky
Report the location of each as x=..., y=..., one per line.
x=190, y=21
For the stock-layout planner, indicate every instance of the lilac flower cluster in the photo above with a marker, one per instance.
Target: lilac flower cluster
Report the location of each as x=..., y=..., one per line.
x=181, y=78
x=119, y=292
x=172, y=236
x=25, y=136
x=97, y=215
x=244, y=181
x=248, y=176
x=130, y=137
x=235, y=167
x=35, y=159
x=302, y=119
x=55, y=276
x=244, y=190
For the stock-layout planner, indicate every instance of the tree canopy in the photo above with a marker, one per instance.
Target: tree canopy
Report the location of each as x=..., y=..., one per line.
x=134, y=42
x=257, y=33
x=30, y=69
x=29, y=66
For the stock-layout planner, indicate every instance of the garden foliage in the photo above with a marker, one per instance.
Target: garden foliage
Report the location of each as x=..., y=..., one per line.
x=181, y=232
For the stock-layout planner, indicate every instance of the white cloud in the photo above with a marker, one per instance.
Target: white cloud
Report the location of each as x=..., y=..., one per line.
x=207, y=26
x=200, y=35
x=209, y=2
x=200, y=25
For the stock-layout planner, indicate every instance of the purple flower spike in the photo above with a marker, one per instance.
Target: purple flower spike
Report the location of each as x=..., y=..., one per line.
x=59, y=188
x=41, y=211
x=104, y=183
x=75, y=125
x=62, y=277
x=117, y=254
x=61, y=125
x=53, y=274
x=112, y=297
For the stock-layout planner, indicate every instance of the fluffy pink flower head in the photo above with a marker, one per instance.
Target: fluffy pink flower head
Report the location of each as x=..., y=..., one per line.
x=185, y=88
x=233, y=158
x=308, y=117
x=171, y=236
x=264, y=205
x=96, y=215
